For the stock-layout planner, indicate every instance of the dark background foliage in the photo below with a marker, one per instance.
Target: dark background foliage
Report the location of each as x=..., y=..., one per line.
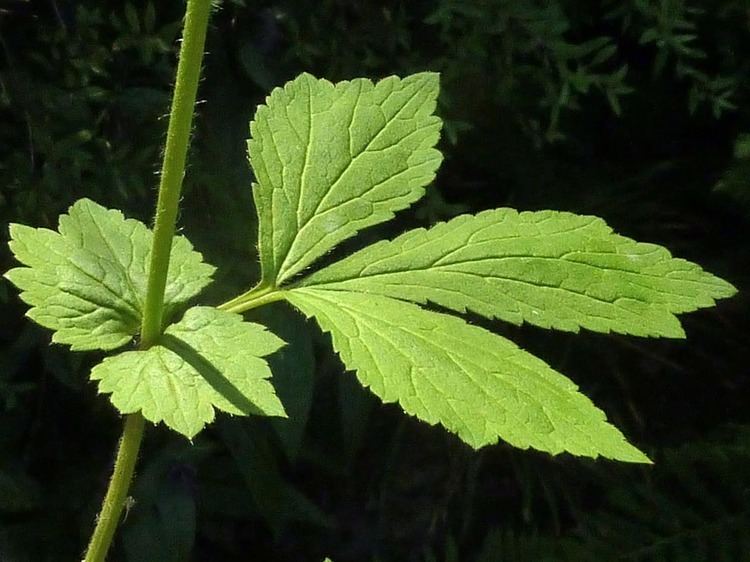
x=638, y=112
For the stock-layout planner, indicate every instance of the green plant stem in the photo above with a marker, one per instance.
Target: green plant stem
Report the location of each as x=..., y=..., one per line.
x=258, y=296
x=173, y=166
x=109, y=516
x=173, y=170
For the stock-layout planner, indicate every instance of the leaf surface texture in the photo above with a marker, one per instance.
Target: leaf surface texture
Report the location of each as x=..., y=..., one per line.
x=87, y=281
x=548, y=268
x=475, y=383
x=332, y=159
x=209, y=359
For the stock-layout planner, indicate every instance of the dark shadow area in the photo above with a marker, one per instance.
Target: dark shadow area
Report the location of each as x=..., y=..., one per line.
x=211, y=374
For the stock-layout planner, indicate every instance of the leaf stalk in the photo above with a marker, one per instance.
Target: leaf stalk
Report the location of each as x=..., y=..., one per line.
x=255, y=297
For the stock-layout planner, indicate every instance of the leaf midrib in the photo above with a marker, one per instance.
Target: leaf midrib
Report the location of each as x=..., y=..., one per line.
x=300, y=227
x=562, y=392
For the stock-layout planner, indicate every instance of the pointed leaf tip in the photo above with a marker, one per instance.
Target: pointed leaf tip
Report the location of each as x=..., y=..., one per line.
x=551, y=269
x=477, y=384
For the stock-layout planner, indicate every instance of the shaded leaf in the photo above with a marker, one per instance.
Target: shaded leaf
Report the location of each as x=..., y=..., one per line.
x=277, y=500
x=209, y=359
x=293, y=368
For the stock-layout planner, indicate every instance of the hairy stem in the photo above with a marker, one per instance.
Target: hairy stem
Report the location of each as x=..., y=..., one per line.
x=173, y=170
x=173, y=167
x=109, y=516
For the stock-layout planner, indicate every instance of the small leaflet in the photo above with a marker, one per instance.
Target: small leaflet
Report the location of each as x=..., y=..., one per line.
x=476, y=384
x=332, y=159
x=87, y=281
x=208, y=360
x=548, y=268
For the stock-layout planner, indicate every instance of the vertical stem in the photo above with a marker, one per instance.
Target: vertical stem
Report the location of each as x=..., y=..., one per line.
x=173, y=167
x=173, y=170
x=109, y=516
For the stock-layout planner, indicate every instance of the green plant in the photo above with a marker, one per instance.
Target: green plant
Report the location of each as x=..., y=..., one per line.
x=671, y=25
x=564, y=72
x=694, y=506
x=81, y=110
x=331, y=160
x=733, y=182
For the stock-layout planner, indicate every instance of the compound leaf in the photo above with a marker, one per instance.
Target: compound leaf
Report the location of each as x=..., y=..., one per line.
x=475, y=383
x=209, y=359
x=87, y=282
x=548, y=268
x=332, y=159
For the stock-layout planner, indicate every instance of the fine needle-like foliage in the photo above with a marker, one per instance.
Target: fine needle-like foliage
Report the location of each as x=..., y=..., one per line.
x=330, y=160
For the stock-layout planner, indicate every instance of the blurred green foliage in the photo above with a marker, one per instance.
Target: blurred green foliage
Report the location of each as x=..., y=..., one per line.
x=637, y=112
x=81, y=109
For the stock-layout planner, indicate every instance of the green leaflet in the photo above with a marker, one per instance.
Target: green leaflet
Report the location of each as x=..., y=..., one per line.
x=87, y=282
x=552, y=269
x=209, y=359
x=475, y=383
x=331, y=160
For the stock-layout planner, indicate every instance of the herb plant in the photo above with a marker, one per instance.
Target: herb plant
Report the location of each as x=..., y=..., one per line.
x=329, y=161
